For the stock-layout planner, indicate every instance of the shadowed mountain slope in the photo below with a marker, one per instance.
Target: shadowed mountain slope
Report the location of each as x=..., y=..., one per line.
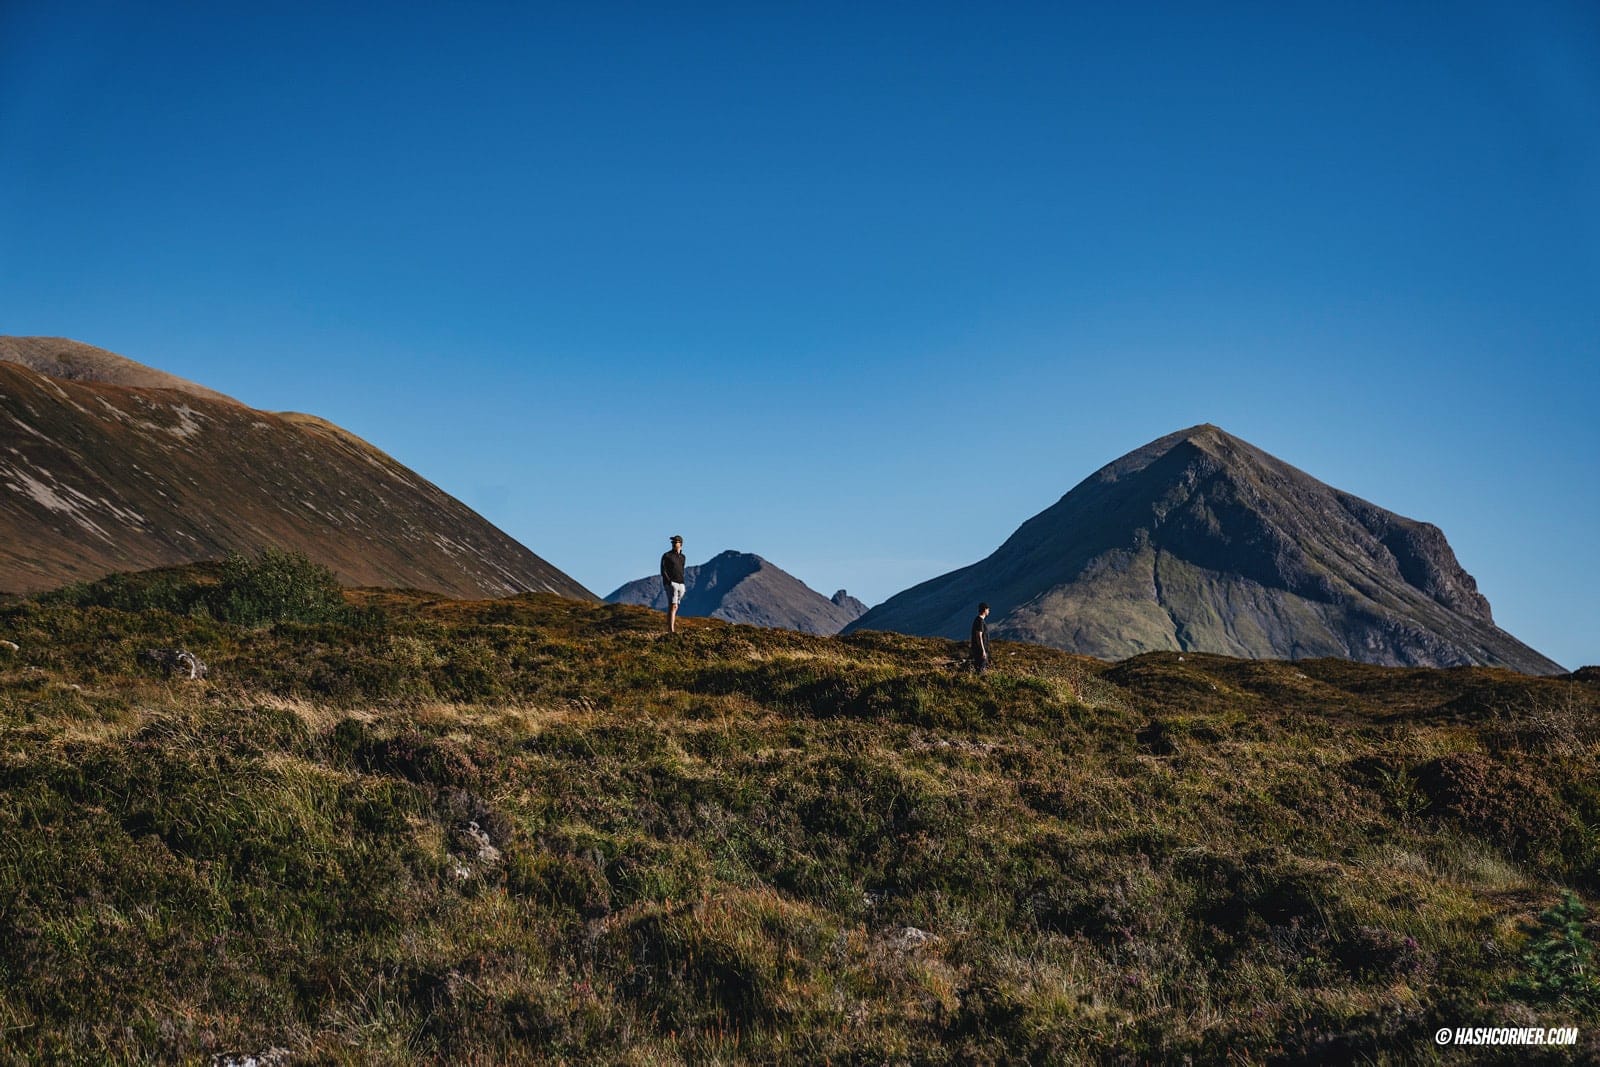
x=740, y=587
x=107, y=465
x=1202, y=542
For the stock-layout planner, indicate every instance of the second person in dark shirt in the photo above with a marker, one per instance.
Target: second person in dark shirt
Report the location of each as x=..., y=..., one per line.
x=980, y=640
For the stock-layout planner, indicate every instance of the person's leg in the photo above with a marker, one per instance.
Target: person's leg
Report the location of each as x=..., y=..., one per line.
x=672, y=617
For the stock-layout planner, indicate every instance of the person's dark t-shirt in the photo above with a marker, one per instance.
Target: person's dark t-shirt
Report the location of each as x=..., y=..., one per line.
x=672, y=567
x=980, y=634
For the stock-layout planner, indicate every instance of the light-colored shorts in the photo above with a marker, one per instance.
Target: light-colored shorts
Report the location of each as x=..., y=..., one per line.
x=674, y=592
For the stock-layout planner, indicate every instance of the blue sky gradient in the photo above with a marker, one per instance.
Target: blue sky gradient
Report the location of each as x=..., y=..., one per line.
x=855, y=287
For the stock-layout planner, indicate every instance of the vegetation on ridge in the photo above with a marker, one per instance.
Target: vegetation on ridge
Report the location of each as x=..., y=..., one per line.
x=540, y=829
x=274, y=585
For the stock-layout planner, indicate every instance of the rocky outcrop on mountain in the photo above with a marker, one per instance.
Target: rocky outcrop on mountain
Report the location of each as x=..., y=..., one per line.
x=741, y=587
x=848, y=603
x=1200, y=541
x=108, y=465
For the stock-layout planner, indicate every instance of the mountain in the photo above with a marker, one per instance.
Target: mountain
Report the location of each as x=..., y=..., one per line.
x=109, y=465
x=1202, y=542
x=58, y=357
x=741, y=587
x=844, y=600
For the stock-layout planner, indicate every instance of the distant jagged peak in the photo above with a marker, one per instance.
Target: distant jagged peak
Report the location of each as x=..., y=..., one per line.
x=1204, y=433
x=729, y=555
x=61, y=357
x=744, y=587
x=853, y=605
x=730, y=565
x=1205, y=437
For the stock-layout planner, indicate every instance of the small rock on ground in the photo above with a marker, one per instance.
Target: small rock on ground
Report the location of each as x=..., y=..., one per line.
x=272, y=1057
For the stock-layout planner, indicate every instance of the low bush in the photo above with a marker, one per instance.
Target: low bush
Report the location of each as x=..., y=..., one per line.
x=274, y=585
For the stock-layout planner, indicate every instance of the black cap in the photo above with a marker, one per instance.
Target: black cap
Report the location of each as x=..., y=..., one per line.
x=677, y=539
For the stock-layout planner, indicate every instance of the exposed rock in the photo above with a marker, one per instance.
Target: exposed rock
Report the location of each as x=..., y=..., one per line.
x=177, y=661
x=10, y=646
x=272, y=1057
x=476, y=844
x=1202, y=542
x=848, y=603
x=907, y=938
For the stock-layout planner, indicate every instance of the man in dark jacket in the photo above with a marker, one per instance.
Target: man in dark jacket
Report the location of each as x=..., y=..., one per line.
x=672, y=581
x=980, y=640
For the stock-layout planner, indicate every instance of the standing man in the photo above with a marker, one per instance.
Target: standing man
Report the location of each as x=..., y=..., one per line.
x=980, y=640
x=672, y=581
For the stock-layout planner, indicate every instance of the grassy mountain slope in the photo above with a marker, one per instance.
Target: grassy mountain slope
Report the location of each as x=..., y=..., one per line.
x=98, y=476
x=60, y=357
x=538, y=829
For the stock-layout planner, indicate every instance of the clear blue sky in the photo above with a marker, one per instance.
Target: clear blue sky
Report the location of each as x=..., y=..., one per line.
x=858, y=287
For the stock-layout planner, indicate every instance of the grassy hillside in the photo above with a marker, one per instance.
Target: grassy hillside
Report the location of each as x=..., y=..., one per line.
x=101, y=473
x=538, y=829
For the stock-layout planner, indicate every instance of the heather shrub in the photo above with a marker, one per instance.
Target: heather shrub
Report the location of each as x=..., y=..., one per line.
x=275, y=586
x=1560, y=963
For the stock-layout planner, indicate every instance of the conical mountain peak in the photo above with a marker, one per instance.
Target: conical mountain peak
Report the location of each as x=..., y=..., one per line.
x=1204, y=432
x=1201, y=541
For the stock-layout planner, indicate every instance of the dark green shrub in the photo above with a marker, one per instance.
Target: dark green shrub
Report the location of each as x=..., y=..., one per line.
x=180, y=591
x=276, y=586
x=1560, y=961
